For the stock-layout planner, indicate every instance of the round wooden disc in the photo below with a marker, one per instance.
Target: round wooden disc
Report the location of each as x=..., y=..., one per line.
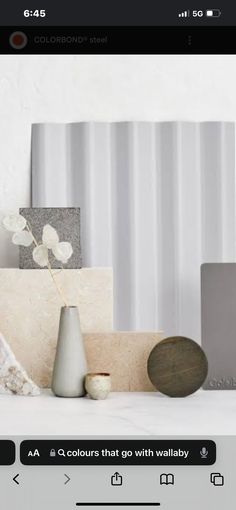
x=177, y=366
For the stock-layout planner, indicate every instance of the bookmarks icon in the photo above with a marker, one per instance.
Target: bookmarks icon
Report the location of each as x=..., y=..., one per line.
x=167, y=479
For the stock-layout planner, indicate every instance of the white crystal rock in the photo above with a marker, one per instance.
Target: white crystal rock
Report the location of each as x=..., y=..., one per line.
x=13, y=378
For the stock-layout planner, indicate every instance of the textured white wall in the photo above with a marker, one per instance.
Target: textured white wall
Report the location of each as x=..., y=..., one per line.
x=74, y=88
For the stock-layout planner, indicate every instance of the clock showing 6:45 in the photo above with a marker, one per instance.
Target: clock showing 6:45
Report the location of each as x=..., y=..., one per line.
x=37, y=13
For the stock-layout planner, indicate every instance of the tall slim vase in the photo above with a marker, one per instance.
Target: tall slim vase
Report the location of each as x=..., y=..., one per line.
x=70, y=366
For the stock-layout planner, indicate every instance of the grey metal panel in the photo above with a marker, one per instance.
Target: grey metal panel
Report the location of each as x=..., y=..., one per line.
x=218, y=289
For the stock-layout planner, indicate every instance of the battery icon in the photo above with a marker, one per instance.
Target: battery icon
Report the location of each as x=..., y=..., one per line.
x=213, y=13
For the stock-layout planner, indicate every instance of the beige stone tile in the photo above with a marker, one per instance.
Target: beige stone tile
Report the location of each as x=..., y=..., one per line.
x=124, y=355
x=29, y=318
x=30, y=310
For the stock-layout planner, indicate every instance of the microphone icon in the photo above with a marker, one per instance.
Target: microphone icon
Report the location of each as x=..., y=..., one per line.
x=204, y=453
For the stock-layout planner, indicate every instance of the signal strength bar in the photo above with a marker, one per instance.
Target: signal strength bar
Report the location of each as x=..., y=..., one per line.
x=184, y=14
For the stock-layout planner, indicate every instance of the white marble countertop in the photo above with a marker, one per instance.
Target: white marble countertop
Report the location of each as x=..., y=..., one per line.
x=204, y=413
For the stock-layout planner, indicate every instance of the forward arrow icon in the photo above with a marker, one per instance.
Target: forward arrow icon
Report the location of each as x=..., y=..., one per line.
x=67, y=479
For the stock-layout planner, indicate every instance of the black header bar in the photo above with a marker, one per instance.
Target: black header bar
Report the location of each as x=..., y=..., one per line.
x=117, y=13
x=118, y=452
x=114, y=40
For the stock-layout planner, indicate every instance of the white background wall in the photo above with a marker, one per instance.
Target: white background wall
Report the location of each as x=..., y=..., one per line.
x=74, y=88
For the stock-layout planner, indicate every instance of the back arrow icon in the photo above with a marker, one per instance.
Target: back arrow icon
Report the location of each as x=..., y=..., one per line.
x=67, y=479
x=15, y=479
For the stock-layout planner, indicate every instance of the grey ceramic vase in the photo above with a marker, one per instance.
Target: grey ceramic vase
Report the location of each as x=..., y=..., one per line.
x=70, y=366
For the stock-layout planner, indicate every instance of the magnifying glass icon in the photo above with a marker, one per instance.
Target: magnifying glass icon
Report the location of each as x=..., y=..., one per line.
x=61, y=452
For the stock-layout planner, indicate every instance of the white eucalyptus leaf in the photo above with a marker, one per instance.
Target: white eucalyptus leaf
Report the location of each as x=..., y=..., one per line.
x=62, y=252
x=14, y=222
x=22, y=238
x=40, y=255
x=50, y=236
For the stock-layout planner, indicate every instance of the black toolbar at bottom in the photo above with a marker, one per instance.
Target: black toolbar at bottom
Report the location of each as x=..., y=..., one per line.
x=118, y=40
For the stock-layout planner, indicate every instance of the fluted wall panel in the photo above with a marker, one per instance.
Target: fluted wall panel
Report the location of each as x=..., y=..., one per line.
x=157, y=200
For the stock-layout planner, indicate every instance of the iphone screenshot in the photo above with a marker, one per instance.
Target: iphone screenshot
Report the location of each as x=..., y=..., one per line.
x=117, y=255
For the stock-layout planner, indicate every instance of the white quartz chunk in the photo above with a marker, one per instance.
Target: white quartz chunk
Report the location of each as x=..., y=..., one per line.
x=13, y=378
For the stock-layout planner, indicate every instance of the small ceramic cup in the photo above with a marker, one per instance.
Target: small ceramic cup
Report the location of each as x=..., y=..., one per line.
x=98, y=385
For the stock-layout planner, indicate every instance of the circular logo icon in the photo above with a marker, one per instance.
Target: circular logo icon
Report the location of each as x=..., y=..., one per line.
x=18, y=40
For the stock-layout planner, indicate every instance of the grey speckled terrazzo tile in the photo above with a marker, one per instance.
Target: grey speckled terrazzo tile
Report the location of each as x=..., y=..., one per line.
x=66, y=220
